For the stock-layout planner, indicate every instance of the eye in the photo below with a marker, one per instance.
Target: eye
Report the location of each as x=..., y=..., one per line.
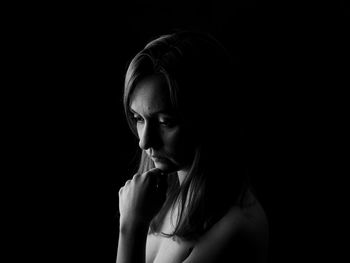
x=167, y=122
x=137, y=119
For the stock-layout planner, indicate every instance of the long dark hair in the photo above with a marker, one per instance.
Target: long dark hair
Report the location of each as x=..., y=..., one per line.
x=204, y=87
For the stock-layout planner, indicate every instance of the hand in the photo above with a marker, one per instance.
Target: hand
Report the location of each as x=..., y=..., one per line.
x=142, y=197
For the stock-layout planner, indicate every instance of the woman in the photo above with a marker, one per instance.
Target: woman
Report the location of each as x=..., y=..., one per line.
x=190, y=200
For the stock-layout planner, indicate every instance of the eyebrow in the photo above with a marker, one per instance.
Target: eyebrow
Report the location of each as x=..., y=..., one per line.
x=153, y=113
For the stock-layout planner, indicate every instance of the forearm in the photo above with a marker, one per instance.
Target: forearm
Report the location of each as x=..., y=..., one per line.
x=132, y=244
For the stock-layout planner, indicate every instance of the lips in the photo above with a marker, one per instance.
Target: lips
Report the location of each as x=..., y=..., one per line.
x=154, y=155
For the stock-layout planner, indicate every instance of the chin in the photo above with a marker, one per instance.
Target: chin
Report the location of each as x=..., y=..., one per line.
x=165, y=167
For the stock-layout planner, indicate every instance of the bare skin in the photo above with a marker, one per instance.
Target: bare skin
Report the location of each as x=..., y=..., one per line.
x=218, y=243
x=221, y=241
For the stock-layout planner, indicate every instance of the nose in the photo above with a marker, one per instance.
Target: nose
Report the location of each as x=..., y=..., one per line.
x=148, y=137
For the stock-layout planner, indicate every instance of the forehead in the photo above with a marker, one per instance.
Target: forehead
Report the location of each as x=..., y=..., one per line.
x=151, y=94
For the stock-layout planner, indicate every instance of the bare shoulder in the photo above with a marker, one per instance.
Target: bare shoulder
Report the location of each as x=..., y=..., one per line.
x=242, y=234
x=253, y=217
x=253, y=231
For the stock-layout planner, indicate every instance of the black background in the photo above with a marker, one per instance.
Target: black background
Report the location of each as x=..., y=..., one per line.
x=73, y=140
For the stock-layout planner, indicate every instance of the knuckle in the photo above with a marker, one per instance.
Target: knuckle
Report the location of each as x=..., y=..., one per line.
x=151, y=173
x=145, y=176
x=135, y=176
x=127, y=182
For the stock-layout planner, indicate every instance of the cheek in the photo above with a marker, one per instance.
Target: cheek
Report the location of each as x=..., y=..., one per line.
x=177, y=144
x=172, y=139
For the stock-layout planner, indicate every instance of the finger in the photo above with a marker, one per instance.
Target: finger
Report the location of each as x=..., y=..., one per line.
x=135, y=176
x=153, y=171
x=127, y=182
x=152, y=175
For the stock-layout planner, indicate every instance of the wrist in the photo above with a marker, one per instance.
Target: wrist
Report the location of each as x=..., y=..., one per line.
x=133, y=226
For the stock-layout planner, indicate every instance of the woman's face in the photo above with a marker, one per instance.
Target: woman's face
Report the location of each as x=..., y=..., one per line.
x=160, y=132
